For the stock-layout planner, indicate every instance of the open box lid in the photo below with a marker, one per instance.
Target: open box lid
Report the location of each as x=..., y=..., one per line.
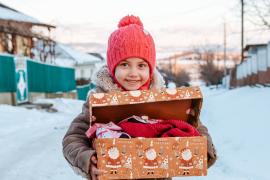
x=182, y=103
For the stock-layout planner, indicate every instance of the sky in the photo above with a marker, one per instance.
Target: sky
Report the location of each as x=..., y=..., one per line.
x=174, y=24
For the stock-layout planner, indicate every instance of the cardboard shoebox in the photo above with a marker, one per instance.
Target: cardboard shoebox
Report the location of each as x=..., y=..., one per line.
x=138, y=158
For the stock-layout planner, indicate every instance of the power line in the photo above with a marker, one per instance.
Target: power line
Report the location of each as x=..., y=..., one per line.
x=242, y=30
x=251, y=30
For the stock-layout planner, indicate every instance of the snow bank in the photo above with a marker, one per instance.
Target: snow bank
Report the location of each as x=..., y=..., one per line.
x=31, y=141
x=239, y=122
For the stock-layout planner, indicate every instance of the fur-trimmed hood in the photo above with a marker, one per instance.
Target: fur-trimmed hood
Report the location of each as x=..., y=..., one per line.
x=105, y=83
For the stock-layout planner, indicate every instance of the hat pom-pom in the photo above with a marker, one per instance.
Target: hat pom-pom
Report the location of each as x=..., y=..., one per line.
x=128, y=20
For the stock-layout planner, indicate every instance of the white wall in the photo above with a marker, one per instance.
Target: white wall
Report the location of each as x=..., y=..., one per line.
x=6, y=98
x=84, y=71
x=254, y=64
x=238, y=72
x=262, y=58
x=249, y=66
x=268, y=55
x=245, y=69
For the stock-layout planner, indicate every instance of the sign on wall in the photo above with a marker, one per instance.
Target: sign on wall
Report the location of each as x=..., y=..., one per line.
x=21, y=80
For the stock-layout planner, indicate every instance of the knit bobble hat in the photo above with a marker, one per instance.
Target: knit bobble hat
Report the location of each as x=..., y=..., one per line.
x=130, y=40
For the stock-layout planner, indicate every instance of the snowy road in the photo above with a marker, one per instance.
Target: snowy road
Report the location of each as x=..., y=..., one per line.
x=31, y=142
x=238, y=120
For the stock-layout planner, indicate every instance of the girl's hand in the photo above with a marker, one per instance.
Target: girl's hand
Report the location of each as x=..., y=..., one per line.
x=94, y=171
x=93, y=119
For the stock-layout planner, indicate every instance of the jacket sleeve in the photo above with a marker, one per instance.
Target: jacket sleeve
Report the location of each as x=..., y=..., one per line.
x=77, y=148
x=211, y=151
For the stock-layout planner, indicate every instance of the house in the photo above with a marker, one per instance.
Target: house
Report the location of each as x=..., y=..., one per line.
x=19, y=33
x=256, y=65
x=84, y=64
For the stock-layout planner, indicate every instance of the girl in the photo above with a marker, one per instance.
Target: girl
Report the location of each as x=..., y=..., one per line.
x=131, y=65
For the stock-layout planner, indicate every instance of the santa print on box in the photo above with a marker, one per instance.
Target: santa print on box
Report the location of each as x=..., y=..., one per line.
x=114, y=160
x=148, y=158
x=186, y=161
x=117, y=161
x=150, y=161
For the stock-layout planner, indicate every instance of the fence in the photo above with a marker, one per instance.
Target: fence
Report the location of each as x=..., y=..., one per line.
x=7, y=74
x=41, y=78
x=255, y=69
x=82, y=91
x=49, y=79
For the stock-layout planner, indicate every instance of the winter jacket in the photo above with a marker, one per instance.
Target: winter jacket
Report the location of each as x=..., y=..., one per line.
x=77, y=148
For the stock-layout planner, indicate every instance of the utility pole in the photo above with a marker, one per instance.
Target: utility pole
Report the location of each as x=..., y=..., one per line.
x=171, y=67
x=225, y=49
x=242, y=31
x=175, y=65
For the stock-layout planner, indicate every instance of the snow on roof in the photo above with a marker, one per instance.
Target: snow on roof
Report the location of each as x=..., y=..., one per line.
x=64, y=62
x=8, y=13
x=66, y=52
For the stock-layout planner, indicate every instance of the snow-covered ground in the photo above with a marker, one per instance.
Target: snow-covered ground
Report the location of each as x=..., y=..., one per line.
x=238, y=121
x=31, y=140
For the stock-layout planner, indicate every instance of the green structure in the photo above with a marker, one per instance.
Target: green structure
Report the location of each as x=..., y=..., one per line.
x=23, y=76
x=82, y=91
x=49, y=79
x=7, y=74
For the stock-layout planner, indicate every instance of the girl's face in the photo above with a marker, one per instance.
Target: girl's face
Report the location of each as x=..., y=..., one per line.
x=132, y=73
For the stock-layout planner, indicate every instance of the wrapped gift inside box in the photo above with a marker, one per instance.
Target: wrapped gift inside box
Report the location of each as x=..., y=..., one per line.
x=150, y=157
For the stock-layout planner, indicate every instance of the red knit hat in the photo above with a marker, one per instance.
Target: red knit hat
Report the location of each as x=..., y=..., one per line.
x=130, y=40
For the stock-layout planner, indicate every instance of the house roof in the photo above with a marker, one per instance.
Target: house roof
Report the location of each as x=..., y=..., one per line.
x=10, y=14
x=64, y=52
x=254, y=46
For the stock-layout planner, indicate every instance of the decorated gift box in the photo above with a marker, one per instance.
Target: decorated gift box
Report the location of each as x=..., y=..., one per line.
x=161, y=157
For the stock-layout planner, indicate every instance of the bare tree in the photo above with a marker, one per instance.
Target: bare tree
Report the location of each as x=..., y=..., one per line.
x=210, y=73
x=44, y=50
x=258, y=12
x=181, y=78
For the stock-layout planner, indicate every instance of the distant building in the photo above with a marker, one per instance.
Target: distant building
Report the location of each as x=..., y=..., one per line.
x=19, y=34
x=190, y=62
x=255, y=69
x=98, y=55
x=191, y=55
x=84, y=64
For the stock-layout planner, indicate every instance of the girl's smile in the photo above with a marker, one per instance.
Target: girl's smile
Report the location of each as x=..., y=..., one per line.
x=132, y=73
